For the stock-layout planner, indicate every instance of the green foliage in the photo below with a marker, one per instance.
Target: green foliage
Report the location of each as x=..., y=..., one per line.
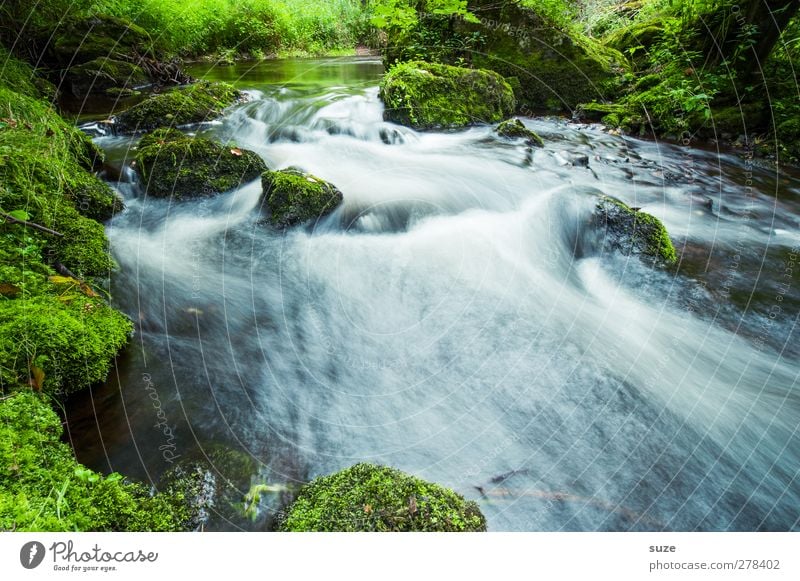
x=190, y=104
x=173, y=164
x=293, y=197
x=17, y=74
x=428, y=95
x=366, y=497
x=250, y=27
x=43, y=488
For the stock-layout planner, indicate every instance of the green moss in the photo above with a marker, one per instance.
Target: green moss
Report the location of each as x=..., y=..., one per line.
x=293, y=197
x=69, y=336
x=160, y=137
x=366, y=497
x=634, y=232
x=43, y=169
x=515, y=129
x=18, y=74
x=173, y=164
x=101, y=36
x=191, y=104
x=103, y=74
x=426, y=95
x=43, y=487
x=636, y=37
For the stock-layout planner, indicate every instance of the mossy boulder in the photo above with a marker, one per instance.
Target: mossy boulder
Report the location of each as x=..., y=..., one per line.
x=616, y=115
x=43, y=487
x=557, y=67
x=736, y=120
x=636, y=38
x=427, y=95
x=194, y=103
x=171, y=163
x=292, y=196
x=366, y=497
x=633, y=232
x=515, y=129
x=64, y=340
x=105, y=75
x=101, y=36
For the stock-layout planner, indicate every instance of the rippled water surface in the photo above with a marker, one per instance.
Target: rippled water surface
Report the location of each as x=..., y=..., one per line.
x=455, y=318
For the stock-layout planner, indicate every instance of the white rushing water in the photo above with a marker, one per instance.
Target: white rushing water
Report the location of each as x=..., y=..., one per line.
x=454, y=318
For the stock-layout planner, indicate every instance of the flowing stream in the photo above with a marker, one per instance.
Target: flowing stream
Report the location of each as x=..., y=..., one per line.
x=455, y=318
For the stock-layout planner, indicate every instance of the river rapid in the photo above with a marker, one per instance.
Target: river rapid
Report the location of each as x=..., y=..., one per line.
x=456, y=318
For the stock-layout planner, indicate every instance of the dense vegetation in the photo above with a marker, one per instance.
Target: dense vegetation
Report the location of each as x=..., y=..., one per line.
x=687, y=69
x=192, y=28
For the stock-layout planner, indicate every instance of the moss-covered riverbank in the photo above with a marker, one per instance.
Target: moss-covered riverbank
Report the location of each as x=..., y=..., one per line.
x=58, y=334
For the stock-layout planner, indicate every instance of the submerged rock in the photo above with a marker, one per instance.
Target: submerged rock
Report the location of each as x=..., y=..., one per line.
x=427, y=95
x=189, y=104
x=633, y=232
x=515, y=129
x=366, y=497
x=293, y=196
x=212, y=482
x=171, y=163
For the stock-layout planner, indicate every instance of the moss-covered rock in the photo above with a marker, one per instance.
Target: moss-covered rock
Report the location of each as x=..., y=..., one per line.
x=63, y=340
x=102, y=75
x=427, y=95
x=556, y=67
x=43, y=487
x=736, y=120
x=173, y=164
x=616, y=115
x=636, y=38
x=189, y=104
x=293, y=197
x=366, y=497
x=102, y=36
x=633, y=232
x=515, y=129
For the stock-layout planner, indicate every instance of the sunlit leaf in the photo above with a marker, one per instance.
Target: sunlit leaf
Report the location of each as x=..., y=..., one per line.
x=57, y=279
x=20, y=215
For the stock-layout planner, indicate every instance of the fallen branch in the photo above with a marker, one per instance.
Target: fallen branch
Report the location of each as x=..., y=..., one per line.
x=11, y=219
